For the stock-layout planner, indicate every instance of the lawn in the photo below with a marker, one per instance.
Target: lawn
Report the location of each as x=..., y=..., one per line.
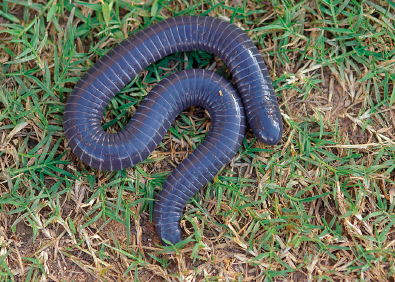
x=319, y=206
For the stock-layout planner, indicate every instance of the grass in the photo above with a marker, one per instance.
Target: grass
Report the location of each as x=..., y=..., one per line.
x=319, y=206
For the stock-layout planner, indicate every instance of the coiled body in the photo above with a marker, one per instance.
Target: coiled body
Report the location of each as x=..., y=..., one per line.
x=109, y=75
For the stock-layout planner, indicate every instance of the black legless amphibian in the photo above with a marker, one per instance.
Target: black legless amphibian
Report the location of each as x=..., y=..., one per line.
x=139, y=138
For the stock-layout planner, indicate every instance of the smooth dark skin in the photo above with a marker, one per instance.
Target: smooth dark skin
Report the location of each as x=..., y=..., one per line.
x=143, y=133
